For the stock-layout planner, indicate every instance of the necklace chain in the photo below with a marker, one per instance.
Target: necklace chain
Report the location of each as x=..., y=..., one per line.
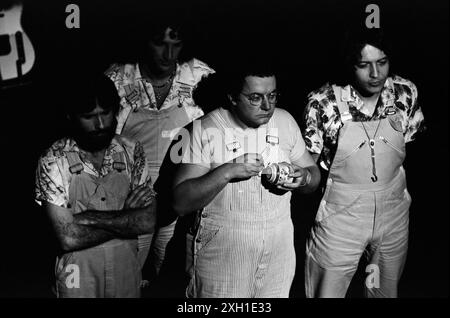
x=161, y=90
x=374, y=178
x=168, y=81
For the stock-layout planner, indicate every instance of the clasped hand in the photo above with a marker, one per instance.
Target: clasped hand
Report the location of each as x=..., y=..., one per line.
x=298, y=175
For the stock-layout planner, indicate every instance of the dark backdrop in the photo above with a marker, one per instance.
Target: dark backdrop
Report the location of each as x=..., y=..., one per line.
x=303, y=36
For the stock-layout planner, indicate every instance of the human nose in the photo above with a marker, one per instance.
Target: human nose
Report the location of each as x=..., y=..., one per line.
x=265, y=103
x=99, y=123
x=169, y=52
x=374, y=70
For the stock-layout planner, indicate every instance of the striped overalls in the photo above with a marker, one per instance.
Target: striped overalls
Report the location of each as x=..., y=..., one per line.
x=244, y=245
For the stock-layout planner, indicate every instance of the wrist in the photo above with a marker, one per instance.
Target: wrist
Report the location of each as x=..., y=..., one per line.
x=306, y=179
x=227, y=172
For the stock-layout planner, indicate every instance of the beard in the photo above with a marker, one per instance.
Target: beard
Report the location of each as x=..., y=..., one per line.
x=96, y=140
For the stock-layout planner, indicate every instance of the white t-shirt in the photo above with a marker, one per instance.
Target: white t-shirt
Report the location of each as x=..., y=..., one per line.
x=209, y=145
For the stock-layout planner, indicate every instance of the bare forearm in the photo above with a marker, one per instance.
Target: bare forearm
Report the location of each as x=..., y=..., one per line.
x=77, y=237
x=125, y=223
x=194, y=194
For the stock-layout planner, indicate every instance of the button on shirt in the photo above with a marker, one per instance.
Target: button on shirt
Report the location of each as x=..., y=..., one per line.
x=323, y=120
x=53, y=175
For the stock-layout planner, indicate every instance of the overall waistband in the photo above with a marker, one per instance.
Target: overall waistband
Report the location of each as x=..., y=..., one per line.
x=400, y=177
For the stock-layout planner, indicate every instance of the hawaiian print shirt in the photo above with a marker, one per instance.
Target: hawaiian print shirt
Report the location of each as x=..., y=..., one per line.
x=323, y=120
x=53, y=175
x=135, y=91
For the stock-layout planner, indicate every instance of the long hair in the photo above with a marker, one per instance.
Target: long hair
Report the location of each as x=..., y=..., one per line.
x=355, y=40
x=150, y=23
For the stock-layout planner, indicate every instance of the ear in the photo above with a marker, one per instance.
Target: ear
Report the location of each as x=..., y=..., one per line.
x=231, y=99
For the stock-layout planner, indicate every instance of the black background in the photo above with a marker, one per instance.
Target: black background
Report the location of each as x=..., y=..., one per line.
x=304, y=37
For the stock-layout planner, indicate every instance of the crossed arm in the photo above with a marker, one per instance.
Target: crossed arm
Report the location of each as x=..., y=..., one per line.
x=90, y=228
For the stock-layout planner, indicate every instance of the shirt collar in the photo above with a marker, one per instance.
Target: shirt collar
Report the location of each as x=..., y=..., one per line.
x=348, y=94
x=113, y=148
x=138, y=74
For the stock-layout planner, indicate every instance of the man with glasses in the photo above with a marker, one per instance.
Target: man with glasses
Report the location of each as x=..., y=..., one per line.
x=242, y=243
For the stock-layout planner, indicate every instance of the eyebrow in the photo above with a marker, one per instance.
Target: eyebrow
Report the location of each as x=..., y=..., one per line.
x=250, y=93
x=363, y=61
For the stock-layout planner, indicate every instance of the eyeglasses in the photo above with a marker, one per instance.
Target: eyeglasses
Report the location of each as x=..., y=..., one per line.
x=256, y=99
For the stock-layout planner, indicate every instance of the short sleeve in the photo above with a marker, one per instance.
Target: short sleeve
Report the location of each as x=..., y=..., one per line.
x=313, y=133
x=200, y=70
x=49, y=183
x=415, y=118
x=298, y=144
x=115, y=73
x=195, y=146
x=194, y=112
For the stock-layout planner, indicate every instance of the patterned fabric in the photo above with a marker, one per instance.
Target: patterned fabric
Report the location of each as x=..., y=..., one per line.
x=323, y=120
x=53, y=176
x=135, y=91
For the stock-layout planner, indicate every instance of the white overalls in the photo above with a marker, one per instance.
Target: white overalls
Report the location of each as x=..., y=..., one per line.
x=244, y=245
x=155, y=130
x=110, y=269
x=365, y=209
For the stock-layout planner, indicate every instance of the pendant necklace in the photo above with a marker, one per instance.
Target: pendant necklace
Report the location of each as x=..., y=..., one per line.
x=374, y=178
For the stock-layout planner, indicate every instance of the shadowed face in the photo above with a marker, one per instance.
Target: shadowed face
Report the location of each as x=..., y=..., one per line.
x=371, y=71
x=164, y=51
x=95, y=130
x=260, y=91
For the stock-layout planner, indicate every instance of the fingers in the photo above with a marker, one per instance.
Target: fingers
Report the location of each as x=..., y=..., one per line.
x=256, y=167
x=143, y=196
x=140, y=197
x=249, y=158
x=288, y=186
x=135, y=191
x=142, y=192
x=149, y=197
x=298, y=172
x=256, y=157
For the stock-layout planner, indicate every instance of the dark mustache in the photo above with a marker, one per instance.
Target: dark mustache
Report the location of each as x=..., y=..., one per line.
x=100, y=132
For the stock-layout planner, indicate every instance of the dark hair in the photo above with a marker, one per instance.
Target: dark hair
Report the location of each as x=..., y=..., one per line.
x=257, y=64
x=150, y=24
x=85, y=94
x=355, y=40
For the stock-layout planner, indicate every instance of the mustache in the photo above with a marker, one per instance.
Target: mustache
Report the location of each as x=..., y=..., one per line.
x=100, y=132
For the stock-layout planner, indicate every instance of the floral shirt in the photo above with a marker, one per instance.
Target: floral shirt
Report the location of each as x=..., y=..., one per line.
x=53, y=175
x=323, y=120
x=135, y=91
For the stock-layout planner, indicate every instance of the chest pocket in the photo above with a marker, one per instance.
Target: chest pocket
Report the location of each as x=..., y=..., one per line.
x=89, y=192
x=396, y=122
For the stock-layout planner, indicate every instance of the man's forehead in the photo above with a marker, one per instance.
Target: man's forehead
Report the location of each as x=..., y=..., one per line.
x=167, y=35
x=259, y=81
x=371, y=53
x=171, y=35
